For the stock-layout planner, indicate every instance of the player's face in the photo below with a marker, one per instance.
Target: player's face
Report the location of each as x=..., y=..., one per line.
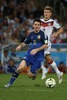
x=47, y=14
x=36, y=26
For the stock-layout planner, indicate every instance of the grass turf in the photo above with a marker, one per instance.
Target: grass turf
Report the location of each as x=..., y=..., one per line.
x=26, y=89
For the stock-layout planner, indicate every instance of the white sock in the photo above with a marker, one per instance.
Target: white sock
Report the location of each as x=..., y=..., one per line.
x=45, y=70
x=54, y=66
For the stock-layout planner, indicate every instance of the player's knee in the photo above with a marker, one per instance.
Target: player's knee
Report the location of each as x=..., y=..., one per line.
x=50, y=61
x=20, y=69
x=31, y=75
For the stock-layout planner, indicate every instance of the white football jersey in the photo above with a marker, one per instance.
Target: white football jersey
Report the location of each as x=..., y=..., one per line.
x=47, y=28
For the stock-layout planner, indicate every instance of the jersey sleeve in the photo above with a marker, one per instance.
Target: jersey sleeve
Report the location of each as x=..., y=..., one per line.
x=56, y=24
x=28, y=39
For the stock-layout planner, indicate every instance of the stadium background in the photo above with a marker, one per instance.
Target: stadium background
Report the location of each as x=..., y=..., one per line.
x=16, y=18
x=11, y=14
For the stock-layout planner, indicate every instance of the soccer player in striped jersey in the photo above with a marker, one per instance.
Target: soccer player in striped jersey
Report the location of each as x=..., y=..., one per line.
x=34, y=56
x=47, y=25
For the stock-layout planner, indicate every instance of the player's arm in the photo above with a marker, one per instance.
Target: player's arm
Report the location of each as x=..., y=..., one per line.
x=20, y=46
x=26, y=41
x=59, y=31
x=34, y=51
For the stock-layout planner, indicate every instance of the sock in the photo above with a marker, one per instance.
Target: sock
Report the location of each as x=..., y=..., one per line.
x=14, y=77
x=45, y=70
x=12, y=80
x=54, y=66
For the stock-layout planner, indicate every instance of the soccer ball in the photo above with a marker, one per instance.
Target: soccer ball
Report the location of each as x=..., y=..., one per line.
x=50, y=82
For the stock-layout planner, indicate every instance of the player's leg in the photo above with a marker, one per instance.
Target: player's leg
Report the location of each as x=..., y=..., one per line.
x=44, y=68
x=35, y=66
x=54, y=66
x=31, y=75
x=16, y=73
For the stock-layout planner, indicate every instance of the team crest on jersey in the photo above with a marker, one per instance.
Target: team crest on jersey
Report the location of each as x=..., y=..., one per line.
x=39, y=37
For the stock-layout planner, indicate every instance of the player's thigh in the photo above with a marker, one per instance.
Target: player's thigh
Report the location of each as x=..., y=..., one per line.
x=22, y=65
x=49, y=60
x=34, y=68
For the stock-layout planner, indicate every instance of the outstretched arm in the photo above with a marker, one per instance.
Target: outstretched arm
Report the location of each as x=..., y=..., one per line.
x=20, y=46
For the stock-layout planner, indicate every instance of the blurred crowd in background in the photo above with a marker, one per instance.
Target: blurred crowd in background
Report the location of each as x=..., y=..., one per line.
x=16, y=19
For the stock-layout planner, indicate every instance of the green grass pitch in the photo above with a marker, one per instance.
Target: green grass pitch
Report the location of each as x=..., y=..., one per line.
x=26, y=89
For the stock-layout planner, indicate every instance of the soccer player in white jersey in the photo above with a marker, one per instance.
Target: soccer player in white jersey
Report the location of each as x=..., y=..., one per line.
x=47, y=27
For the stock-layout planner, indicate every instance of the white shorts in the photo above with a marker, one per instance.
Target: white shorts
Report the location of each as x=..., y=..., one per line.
x=47, y=51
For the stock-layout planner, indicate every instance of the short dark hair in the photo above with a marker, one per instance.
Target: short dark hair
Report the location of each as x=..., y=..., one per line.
x=48, y=8
x=37, y=20
x=11, y=59
x=5, y=51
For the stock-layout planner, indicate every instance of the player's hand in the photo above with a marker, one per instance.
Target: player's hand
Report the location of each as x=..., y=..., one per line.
x=54, y=35
x=33, y=52
x=18, y=48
